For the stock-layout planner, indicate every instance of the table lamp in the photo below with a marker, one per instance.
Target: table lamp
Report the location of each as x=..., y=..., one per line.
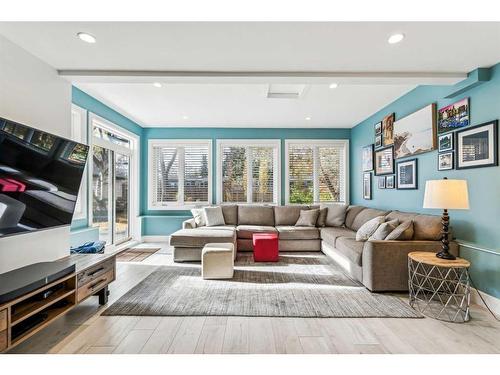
x=446, y=194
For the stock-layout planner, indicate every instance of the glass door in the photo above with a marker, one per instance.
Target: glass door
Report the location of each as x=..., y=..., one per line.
x=121, y=198
x=101, y=192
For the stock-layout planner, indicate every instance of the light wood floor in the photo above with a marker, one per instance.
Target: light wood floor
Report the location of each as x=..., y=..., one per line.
x=83, y=330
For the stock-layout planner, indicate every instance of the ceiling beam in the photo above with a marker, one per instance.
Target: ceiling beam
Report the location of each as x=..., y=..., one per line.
x=304, y=77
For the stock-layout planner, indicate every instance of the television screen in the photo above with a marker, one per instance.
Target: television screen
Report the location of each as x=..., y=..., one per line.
x=40, y=175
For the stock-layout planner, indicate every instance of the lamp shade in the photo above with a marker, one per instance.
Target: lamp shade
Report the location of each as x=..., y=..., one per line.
x=446, y=194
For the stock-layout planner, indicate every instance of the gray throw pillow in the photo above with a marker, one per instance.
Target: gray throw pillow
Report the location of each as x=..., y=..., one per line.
x=403, y=232
x=307, y=218
x=199, y=216
x=336, y=213
x=384, y=230
x=214, y=216
x=321, y=222
x=368, y=228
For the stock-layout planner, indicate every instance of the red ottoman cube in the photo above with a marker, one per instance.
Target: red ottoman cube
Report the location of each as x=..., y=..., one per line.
x=265, y=247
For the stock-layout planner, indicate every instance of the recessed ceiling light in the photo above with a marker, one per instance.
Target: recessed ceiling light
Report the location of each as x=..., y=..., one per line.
x=334, y=85
x=86, y=37
x=185, y=117
x=396, y=38
x=157, y=84
x=308, y=118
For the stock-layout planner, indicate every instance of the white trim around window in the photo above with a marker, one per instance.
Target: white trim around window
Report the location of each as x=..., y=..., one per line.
x=79, y=134
x=181, y=144
x=315, y=144
x=248, y=143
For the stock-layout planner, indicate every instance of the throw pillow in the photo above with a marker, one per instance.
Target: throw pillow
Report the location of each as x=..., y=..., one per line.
x=335, y=216
x=214, y=216
x=321, y=222
x=368, y=228
x=307, y=218
x=403, y=232
x=384, y=230
x=199, y=216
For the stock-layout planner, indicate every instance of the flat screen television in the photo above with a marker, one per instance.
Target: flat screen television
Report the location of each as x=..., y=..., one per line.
x=40, y=175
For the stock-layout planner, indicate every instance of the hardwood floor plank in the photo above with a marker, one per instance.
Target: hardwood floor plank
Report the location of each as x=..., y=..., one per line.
x=260, y=336
x=236, y=336
x=315, y=345
x=100, y=350
x=212, y=336
x=188, y=334
x=286, y=338
x=148, y=322
x=163, y=335
x=134, y=341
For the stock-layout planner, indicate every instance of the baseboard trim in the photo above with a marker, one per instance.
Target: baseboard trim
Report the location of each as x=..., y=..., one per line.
x=156, y=239
x=493, y=302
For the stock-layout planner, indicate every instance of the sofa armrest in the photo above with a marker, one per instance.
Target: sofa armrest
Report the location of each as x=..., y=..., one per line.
x=189, y=224
x=385, y=263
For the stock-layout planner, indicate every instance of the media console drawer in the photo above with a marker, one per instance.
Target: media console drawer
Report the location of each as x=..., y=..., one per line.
x=3, y=340
x=3, y=319
x=96, y=284
x=95, y=272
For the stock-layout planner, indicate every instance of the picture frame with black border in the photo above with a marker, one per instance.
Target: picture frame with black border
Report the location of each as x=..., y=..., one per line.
x=367, y=153
x=446, y=142
x=446, y=161
x=476, y=138
x=367, y=186
x=384, y=161
x=378, y=128
x=407, y=174
x=390, y=182
x=381, y=182
x=378, y=141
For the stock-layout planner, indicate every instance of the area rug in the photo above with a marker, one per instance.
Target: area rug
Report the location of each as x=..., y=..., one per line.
x=136, y=254
x=299, y=285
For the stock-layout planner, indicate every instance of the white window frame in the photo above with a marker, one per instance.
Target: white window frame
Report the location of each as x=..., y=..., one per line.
x=133, y=152
x=79, y=134
x=318, y=143
x=177, y=143
x=276, y=143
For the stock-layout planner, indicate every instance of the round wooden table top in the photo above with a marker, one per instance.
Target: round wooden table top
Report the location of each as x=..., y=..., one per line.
x=431, y=259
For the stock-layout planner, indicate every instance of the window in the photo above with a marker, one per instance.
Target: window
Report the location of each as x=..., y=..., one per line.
x=316, y=171
x=248, y=171
x=179, y=173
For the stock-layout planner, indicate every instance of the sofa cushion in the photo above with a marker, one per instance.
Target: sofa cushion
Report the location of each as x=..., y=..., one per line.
x=427, y=227
x=384, y=230
x=368, y=228
x=199, y=216
x=308, y=218
x=330, y=234
x=199, y=237
x=297, y=233
x=287, y=215
x=230, y=212
x=352, y=212
x=256, y=215
x=366, y=215
x=214, y=216
x=350, y=248
x=401, y=216
x=321, y=222
x=247, y=231
x=336, y=214
x=403, y=232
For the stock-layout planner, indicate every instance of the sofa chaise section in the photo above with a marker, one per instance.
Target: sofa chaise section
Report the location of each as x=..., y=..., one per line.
x=188, y=243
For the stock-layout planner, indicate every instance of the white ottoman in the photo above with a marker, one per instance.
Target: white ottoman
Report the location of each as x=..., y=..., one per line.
x=217, y=261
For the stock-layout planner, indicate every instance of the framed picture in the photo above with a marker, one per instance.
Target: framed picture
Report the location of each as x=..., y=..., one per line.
x=407, y=174
x=389, y=182
x=445, y=161
x=381, y=182
x=378, y=141
x=445, y=142
x=367, y=160
x=415, y=133
x=384, y=161
x=454, y=116
x=367, y=186
x=477, y=146
x=378, y=128
x=388, y=130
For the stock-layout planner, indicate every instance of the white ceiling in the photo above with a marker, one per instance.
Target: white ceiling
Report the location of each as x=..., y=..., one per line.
x=189, y=58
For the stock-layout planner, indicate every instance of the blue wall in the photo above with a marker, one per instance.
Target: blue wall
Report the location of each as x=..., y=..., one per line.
x=80, y=232
x=478, y=225
x=165, y=222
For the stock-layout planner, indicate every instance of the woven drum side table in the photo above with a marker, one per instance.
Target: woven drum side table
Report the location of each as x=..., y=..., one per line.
x=439, y=288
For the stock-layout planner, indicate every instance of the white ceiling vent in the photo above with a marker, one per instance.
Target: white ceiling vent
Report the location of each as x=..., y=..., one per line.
x=285, y=91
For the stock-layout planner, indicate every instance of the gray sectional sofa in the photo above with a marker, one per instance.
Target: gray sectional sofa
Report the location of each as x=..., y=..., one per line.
x=379, y=265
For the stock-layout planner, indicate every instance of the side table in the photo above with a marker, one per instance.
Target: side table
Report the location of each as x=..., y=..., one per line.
x=439, y=288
